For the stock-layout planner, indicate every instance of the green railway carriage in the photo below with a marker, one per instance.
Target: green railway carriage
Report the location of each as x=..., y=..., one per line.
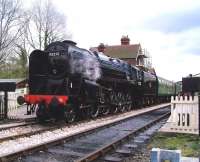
x=166, y=87
x=178, y=87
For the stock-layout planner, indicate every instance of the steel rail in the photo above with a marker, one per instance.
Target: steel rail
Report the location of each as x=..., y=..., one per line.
x=17, y=124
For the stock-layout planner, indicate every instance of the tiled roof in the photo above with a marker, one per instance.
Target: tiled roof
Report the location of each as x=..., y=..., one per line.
x=122, y=51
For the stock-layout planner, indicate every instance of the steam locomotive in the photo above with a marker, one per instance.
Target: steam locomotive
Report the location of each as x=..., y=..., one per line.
x=69, y=82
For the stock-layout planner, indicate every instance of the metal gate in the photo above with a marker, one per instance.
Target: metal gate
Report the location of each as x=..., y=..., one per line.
x=1, y=106
x=3, y=113
x=5, y=87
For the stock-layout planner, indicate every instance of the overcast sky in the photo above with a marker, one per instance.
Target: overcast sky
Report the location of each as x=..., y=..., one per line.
x=168, y=29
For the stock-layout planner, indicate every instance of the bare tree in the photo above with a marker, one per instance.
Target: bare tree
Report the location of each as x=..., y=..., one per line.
x=10, y=26
x=22, y=54
x=45, y=25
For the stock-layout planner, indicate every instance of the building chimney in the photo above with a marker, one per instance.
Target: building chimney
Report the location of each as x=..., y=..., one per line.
x=125, y=40
x=101, y=48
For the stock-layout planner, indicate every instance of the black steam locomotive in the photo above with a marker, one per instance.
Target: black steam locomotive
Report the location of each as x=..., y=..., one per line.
x=68, y=82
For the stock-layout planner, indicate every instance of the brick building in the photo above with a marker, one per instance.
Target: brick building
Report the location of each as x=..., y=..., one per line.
x=132, y=53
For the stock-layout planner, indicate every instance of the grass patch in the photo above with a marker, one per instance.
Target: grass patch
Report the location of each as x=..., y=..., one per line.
x=188, y=144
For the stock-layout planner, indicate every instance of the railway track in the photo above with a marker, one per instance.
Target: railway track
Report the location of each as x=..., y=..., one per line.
x=68, y=135
x=128, y=147
x=27, y=130
x=126, y=132
x=16, y=124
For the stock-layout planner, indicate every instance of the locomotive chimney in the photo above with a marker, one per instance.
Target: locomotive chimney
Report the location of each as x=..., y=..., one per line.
x=125, y=40
x=101, y=48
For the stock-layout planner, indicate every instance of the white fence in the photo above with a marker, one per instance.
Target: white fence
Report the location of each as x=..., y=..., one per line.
x=12, y=99
x=184, y=115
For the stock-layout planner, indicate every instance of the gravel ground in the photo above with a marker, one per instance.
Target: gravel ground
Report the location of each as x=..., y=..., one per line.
x=20, y=130
x=143, y=155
